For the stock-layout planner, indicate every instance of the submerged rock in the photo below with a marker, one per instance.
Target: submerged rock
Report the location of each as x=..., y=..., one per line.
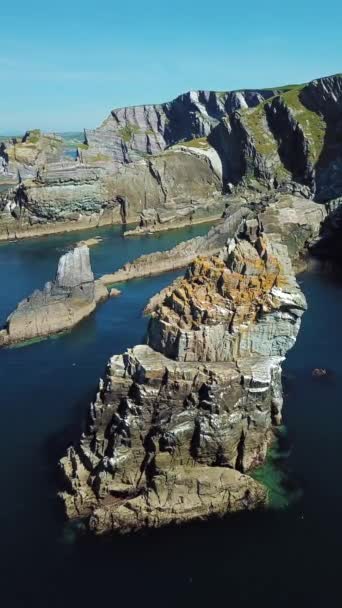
x=319, y=372
x=62, y=303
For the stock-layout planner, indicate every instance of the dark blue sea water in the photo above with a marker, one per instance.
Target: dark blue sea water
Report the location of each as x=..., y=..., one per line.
x=282, y=557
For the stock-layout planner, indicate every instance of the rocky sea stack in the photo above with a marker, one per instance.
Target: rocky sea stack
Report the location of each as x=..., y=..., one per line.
x=178, y=423
x=62, y=303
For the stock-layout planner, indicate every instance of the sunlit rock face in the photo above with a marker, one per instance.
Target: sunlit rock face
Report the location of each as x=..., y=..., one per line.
x=177, y=424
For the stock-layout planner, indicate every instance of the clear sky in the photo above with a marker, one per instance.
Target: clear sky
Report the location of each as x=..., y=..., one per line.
x=65, y=64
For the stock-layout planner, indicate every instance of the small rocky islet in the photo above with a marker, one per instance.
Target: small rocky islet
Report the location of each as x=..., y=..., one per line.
x=180, y=422
x=60, y=305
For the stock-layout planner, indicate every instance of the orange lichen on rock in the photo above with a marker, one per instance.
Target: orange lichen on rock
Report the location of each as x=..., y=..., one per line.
x=233, y=290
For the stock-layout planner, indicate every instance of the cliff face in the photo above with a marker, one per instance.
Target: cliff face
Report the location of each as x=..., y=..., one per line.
x=177, y=424
x=171, y=164
x=60, y=305
x=181, y=185
x=227, y=309
x=21, y=157
x=293, y=137
x=130, y=132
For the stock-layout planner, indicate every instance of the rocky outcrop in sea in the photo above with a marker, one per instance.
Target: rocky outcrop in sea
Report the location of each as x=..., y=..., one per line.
x=71, y=297
x=178, y=423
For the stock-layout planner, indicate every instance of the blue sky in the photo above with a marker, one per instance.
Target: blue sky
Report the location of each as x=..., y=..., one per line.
x=65, y=64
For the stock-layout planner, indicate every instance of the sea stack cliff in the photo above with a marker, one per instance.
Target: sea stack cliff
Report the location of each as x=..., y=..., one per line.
x=60, y=305
x=178, y=423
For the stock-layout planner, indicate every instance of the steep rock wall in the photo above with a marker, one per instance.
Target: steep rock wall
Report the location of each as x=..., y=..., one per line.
x=176, y=425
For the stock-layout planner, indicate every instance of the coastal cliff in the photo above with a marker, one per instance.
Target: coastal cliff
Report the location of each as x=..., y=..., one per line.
x=128, y=133
x=174, y=164
x=177, y=187
x=291, y=140
x=178, y=423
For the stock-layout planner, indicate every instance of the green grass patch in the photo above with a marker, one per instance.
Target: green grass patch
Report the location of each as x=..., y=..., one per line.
x=33, y=136
x=128, y=131
x=98, y=157
x=256, y=123
x=286, y=87
x=200, y=142
x=313, y=125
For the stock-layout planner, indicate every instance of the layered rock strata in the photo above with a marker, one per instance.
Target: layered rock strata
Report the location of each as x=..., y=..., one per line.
x=178, y=423
x=292, y=138
x=20, y=157
x=183, y=253
x=129, y=133
x=174, y=188
x=71, y=297
x=293, y=220
x=171, y=165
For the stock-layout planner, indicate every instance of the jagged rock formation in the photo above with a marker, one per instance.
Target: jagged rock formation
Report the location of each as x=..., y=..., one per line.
x=179, y=184
x=328, y=246
x=186, y=328
x=60, y=305
x=183, y=253
x=129, y=133
x=292, y=138
x=293, y=220
x=296, y=221
x=176, y=425
x=20, y=158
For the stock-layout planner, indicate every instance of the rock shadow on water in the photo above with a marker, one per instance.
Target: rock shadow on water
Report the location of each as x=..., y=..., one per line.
x=275, y=474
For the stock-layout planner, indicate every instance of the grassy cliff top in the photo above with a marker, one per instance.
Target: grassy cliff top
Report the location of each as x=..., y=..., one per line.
x=311, y=123
x=200, y=143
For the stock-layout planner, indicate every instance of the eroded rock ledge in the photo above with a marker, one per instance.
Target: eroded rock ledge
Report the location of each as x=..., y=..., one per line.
x=177, y=424
x=72, y=296
x=182, y=254
x=293, y=220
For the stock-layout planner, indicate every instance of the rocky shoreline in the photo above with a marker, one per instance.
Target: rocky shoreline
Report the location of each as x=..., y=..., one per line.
x=295, y=220
x=174, y=164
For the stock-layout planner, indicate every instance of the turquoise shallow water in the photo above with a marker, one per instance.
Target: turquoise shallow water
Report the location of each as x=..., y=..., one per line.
x=285, y=556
